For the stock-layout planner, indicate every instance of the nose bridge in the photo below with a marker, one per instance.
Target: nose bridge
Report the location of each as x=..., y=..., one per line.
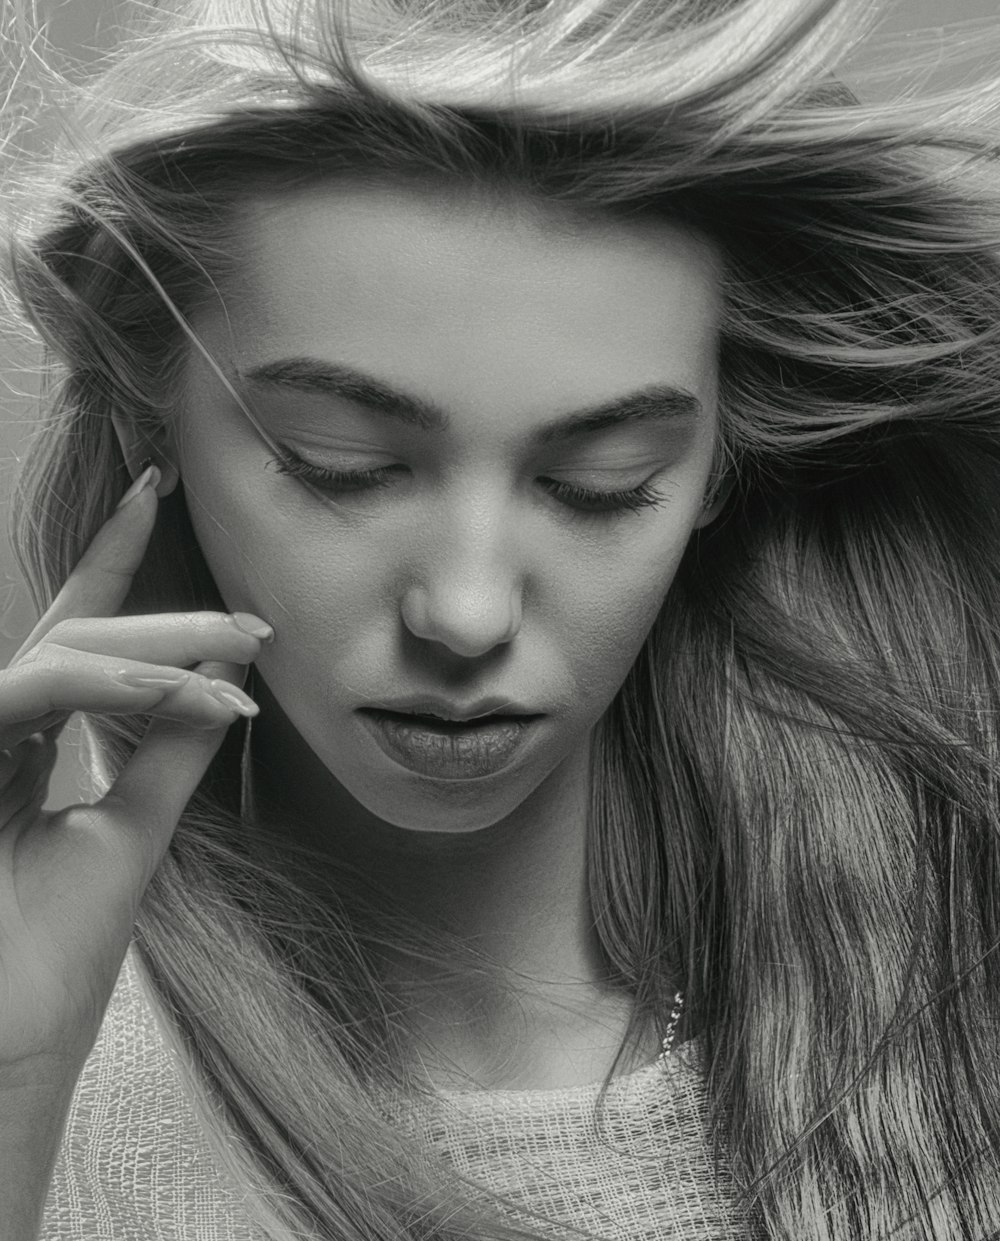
x=464, y=584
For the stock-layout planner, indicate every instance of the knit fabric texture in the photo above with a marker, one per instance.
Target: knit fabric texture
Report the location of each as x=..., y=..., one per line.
x=135, y=1166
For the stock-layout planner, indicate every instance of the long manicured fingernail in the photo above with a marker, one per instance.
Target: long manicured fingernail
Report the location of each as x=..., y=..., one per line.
x=233, y=697
x=166, y=681
x=149, y=477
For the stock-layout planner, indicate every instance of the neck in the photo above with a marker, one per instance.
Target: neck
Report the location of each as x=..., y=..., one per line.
x=544, y=1014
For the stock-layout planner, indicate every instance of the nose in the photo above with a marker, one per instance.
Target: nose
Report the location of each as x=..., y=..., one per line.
x=470, y=617
x=465, y=595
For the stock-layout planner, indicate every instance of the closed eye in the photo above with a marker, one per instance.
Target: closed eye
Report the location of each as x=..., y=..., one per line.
x=583, y=501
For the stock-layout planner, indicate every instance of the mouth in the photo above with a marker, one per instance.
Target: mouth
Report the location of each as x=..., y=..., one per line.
x=450, y=749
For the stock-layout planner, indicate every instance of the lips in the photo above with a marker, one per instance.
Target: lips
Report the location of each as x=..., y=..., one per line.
x=449, y=749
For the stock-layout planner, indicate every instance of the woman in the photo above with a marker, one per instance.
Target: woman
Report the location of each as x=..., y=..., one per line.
x=565, y=435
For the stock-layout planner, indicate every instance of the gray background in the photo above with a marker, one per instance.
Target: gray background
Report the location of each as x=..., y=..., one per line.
x=79, y=29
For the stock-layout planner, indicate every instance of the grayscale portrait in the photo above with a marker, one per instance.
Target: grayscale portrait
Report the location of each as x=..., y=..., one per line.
x=499, y=714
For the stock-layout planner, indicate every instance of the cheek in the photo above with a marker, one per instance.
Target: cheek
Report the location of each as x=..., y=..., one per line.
x=606, y=617
x=309, y=585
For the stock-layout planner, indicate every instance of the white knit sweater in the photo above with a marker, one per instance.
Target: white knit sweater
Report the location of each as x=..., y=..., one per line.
x=134, y=1165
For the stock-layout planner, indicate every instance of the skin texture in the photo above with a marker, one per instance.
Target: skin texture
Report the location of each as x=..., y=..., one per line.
x=464, y=577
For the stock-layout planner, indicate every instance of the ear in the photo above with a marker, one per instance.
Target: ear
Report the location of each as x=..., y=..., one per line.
x=708, y=515
x=137, y=446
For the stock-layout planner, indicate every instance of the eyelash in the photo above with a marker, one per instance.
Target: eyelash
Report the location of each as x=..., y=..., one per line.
x=615, y=503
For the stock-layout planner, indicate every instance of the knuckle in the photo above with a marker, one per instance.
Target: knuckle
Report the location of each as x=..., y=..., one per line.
x=62, y=630
x=43, y=672
x=31, y=656
x=83, y=817
x=192, y=620
x=44, y=657
x=26, y=657
x=47, y=654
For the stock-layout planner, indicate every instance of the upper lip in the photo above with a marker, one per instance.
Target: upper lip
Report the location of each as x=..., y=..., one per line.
x=454, y=710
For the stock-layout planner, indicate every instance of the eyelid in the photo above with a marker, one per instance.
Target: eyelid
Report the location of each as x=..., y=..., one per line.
x=618, y=467
x=368, y=458
x=374, y=458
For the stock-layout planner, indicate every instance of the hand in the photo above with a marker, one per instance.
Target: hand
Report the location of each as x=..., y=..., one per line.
x=71, y=880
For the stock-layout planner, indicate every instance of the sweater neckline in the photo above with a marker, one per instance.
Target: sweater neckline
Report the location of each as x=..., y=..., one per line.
x=685, y=1059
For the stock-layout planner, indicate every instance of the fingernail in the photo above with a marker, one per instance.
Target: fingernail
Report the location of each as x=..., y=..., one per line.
x=253, y=625
x=234, y=697
x=167, y=681
x=149, y=477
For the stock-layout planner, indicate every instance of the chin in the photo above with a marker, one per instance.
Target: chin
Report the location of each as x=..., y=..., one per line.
x=417, y=803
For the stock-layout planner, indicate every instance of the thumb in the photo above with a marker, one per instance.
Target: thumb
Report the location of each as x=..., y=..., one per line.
x=155, y=785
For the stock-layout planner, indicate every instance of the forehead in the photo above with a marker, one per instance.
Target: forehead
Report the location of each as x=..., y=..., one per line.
x=467, y=298
x=494, y=242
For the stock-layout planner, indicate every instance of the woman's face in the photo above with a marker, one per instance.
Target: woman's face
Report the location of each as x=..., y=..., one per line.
x=457, y=347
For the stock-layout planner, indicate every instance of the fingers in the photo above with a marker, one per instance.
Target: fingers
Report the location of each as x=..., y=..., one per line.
x=100, y=583
x=82, y=656
x=181, y=638
x=152, y=790
x=39, y=693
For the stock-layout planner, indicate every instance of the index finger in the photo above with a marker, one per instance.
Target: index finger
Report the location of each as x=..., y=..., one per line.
x=100, y=582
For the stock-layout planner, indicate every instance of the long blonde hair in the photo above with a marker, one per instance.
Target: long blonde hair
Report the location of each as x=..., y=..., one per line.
x=795, y=805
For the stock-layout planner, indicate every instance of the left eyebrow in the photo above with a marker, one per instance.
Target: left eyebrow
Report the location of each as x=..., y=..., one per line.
x=653, y=403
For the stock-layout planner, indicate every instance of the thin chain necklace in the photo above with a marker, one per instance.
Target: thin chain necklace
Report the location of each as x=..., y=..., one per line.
x=668, y=1038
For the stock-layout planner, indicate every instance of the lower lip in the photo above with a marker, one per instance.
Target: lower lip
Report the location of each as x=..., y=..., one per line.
x=457, y=753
